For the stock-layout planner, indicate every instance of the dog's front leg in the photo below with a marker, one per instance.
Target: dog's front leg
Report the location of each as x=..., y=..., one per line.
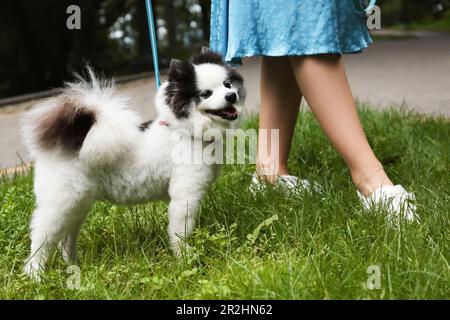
x=181, y=221
x=187, y=187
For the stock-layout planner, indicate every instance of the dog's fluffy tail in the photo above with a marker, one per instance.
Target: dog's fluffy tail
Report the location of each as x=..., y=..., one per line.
x=88, y=120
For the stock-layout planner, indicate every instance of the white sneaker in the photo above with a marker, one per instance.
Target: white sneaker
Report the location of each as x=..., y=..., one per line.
x=394, y=198
x=288, y=183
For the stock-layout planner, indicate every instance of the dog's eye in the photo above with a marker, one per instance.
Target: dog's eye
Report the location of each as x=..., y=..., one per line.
x=206, y=94
x=227, y=84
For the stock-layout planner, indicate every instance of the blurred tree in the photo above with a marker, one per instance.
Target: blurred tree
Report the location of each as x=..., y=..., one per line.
x=414, y=10
x=206, y=14
x=38, y=51
x=409, y=11
x=36, y=57
x=140, y=24
x=169, y=14
x=42, y=52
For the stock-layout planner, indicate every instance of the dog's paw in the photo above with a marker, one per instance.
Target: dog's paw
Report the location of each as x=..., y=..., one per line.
x=33, y=271
x=180, y=249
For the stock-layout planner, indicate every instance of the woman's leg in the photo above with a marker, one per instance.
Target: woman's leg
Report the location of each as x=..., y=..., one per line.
x=324, y=84
x=280, y=103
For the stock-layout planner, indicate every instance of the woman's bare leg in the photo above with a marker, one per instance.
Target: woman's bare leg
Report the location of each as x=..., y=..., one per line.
x=324, y=84
x=280, y=103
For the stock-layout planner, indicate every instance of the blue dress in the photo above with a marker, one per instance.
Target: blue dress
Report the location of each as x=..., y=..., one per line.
x=245, y=28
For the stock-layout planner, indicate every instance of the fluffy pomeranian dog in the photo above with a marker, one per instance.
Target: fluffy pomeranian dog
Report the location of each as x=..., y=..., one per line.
x=88, y=145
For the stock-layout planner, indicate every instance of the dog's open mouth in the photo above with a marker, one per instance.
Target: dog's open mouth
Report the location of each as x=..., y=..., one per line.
x=228, y=113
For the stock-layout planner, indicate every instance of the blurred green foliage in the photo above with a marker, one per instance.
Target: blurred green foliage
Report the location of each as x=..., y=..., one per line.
x=405, y=12
x=38, y=51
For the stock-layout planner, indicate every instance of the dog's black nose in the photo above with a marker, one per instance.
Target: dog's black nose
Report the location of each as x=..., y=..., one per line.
x=231, y=97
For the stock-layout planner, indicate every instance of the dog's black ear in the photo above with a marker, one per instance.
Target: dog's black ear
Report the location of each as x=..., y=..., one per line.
x=181, y=88
x=206, y=55
x=175, y=68
x=174, y=63
x=180, y=70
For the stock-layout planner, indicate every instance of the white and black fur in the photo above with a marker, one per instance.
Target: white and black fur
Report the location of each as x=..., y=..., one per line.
x=88, y=145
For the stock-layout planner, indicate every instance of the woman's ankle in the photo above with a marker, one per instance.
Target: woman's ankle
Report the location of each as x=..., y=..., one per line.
x=283, y=171
x=368, y=181
x=270, y=173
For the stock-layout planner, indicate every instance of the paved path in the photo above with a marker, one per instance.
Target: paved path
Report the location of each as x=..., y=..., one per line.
x=414, y=71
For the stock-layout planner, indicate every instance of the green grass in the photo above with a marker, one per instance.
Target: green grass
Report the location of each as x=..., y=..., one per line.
x=310, y=246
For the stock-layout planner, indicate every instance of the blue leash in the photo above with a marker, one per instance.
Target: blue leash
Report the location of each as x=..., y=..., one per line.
x=152, y=32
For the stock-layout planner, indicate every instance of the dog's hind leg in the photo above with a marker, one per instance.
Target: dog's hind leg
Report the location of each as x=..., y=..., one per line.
x=46, y=231
x=68, y=245
x=51, y=222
